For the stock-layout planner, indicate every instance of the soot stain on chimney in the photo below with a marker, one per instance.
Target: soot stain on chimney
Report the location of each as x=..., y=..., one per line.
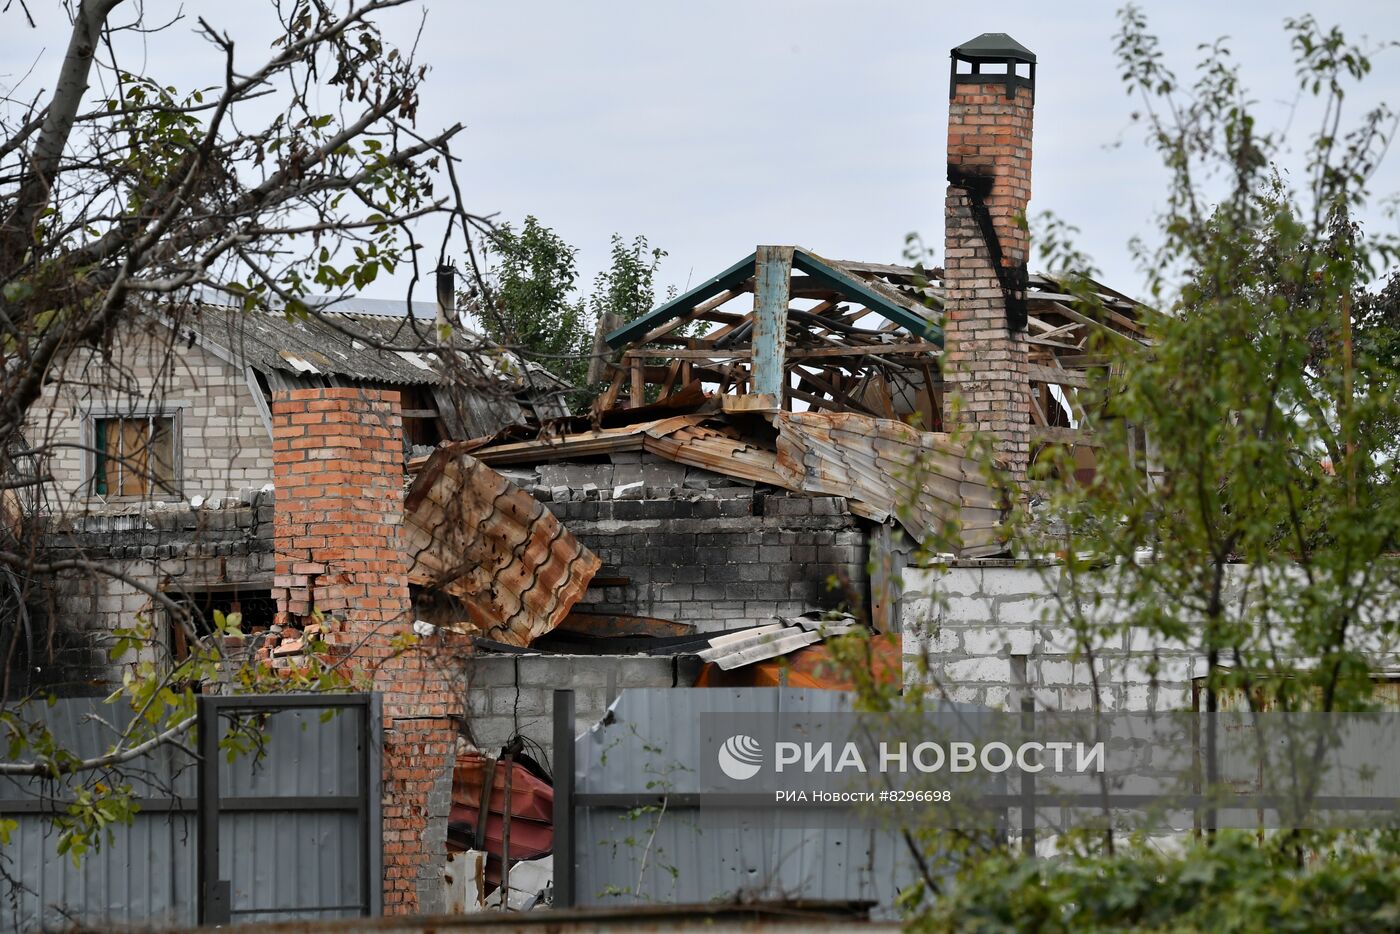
x=978, y=184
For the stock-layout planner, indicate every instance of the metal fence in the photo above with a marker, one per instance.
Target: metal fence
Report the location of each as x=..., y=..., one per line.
x=288, y=829
x=630, y=828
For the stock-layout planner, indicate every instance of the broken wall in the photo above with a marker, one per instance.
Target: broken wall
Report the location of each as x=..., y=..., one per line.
x=169, y=547
x=511, y=694
x=691, y=546
x=339, y=536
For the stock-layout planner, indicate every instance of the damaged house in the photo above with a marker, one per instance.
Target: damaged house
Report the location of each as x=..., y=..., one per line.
x=745, y=488
x=158, y=448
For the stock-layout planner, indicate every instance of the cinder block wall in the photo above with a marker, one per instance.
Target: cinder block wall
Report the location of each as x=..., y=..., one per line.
x=719, y=563
x=339, y=460
x=170, y=547
x=973, y=620
x=700, y=548
x=510, y=694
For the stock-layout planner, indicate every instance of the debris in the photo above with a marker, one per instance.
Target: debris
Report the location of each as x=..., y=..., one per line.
x=471, y=533
x=478, y=819
x=593, y=624
x=885, y=468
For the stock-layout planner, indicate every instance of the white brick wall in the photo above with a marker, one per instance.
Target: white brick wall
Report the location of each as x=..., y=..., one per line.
x=225, y=447
x=986, y=613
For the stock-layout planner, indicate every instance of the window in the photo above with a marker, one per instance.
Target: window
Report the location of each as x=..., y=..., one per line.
x=255, y=605
x=135, y=456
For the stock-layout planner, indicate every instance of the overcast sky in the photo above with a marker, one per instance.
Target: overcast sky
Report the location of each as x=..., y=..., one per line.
x=711, y=126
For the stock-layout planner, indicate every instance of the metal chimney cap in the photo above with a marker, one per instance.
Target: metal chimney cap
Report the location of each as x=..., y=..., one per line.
x=994, y=46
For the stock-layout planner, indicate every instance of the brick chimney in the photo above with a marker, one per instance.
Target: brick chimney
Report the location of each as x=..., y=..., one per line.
x=990, y=102
x=339, y=471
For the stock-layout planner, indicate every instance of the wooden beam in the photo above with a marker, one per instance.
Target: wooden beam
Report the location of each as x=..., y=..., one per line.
x=1050, y=374
x=731, y=278
x=830, y=389
x=699, y=311
x=868, y=350
x=772, y=272
x=1072, y=436
x=637, y=394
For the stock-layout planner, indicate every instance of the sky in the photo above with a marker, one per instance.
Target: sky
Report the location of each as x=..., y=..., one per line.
x=711, y=127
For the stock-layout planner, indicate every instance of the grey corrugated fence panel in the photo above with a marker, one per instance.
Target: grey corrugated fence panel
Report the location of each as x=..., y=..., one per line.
x=146, y=872
x=652, y=742
x=292, y=862
x=303, y=856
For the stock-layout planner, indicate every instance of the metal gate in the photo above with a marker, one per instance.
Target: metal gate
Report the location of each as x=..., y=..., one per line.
x=293, y=829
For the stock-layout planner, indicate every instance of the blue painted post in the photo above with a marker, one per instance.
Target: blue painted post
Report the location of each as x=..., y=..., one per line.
x=772, y=272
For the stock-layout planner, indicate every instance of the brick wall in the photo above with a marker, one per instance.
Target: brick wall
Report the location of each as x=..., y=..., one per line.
x=340, y=476
x=225, y=449
x=171, y=547
x=985, y=364
x=698, y=548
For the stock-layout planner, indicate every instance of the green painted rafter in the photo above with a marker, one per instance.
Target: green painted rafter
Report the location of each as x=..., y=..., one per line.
x=852, y=287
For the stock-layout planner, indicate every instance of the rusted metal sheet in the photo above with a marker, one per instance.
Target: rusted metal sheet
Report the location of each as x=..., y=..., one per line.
x=890, y=470
x=599, y=624
x=473, y=534
x=885, y=468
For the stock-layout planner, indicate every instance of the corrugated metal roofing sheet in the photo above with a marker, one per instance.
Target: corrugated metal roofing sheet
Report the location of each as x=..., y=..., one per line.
x=919, y=478
x=885, y=468
x=325, y=344
x=475, y=535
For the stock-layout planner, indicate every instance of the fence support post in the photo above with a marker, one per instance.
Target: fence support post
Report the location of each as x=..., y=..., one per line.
x=564, y=799
x=213, y=893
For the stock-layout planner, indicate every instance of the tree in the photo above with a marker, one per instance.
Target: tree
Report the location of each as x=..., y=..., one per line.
x=626, y=290
x=530, y=302
x=534, y=307
x=1262, y=533
x=301, y=170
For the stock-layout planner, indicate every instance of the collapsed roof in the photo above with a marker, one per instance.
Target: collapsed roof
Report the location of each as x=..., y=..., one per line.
x=864, y=338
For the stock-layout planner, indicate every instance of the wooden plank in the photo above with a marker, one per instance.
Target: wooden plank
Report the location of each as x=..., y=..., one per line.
x=878, y=297
x=1084, y=319
x=731, y=278
x=1037, y=413
x=609, y=398
x=1060, y=377
x=672, y=373
x=637, y=394
x=689, y=354
x=1072, y=436
x=526, y=452
x=1042, y=342
x=839, y=395
x=772, y=272
x=874, y=350
x=699, y=311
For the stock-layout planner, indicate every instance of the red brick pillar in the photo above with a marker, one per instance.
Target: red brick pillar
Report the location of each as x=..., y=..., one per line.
x=989, y=173
x=338, y=461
